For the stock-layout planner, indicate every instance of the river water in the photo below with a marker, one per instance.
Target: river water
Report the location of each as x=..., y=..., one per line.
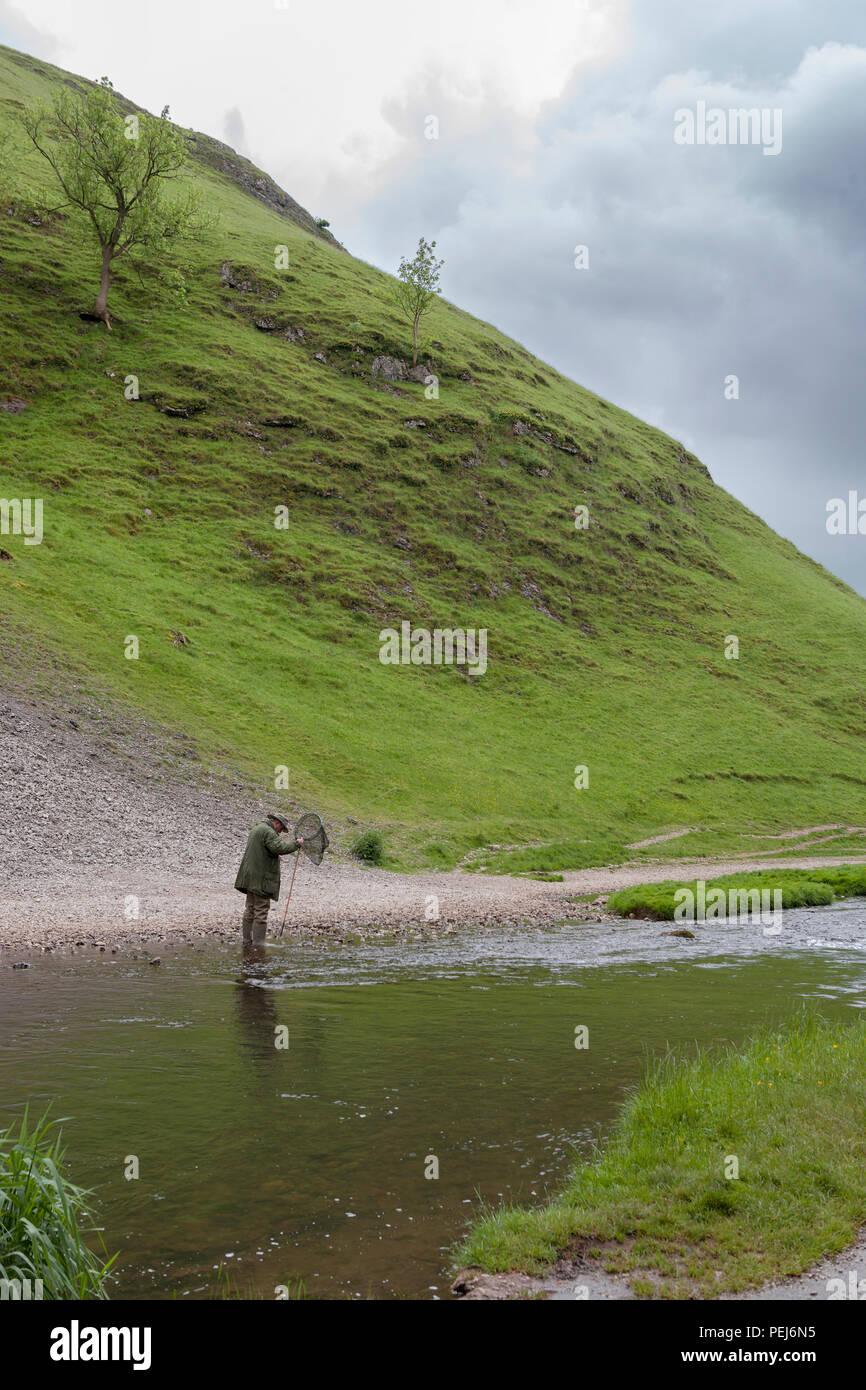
x=308, y=1162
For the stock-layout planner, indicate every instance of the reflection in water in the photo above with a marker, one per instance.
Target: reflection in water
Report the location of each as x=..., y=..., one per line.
x=256, y=1006
x=309, y=1161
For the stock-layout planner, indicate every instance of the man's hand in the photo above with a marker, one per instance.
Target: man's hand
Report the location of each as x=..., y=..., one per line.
x=300, y=839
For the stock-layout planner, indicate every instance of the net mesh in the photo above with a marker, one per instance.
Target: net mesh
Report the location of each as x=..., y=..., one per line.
x=310, y=829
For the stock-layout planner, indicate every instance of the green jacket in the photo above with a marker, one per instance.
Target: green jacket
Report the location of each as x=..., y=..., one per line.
x=260, y=866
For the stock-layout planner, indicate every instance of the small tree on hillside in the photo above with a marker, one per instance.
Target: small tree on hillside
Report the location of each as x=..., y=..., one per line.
x=416, y=286
x=113, y=169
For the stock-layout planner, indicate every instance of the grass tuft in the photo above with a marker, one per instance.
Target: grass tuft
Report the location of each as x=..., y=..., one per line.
x=369, y=847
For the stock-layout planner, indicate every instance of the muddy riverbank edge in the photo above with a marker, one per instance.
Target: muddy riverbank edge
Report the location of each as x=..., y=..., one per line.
x=836, y=1277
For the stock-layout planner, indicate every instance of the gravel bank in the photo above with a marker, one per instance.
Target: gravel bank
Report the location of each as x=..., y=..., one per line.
x=111, y=834
x=103, y=843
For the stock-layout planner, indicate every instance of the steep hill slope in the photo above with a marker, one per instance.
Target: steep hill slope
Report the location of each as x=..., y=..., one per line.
x=257, y=390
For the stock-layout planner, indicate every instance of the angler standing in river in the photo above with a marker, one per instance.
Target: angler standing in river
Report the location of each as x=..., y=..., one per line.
x=259, y=873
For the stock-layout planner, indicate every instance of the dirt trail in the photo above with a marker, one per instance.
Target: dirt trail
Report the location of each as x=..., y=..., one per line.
x=103, y=842
x=626, y=875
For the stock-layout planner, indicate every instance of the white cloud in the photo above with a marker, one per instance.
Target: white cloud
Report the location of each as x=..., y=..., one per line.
x=314, y=80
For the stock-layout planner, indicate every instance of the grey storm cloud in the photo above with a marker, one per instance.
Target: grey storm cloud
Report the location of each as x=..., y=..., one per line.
x=16, y=31
x=705, y=261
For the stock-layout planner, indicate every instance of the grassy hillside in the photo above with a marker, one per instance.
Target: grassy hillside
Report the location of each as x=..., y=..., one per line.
x=606, y=645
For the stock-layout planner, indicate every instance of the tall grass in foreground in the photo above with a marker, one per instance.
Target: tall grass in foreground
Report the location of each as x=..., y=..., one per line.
x=660, y=1204
x=41, y=1216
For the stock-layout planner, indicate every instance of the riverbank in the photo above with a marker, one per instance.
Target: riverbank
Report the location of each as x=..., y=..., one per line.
x=66, y=908
x=723, y=1174
x=107, y=840
x=839, y=1277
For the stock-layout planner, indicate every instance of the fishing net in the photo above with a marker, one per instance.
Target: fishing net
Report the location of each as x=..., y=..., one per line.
x=310, y=829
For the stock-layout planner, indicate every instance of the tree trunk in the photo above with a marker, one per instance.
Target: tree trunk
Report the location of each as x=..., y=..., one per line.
x=100, y=308
x=415, y=342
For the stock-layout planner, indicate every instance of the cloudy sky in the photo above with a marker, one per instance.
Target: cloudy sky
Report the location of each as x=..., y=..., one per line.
x=556, y=129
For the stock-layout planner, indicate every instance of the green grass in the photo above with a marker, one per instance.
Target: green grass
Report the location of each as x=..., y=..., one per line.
x=657, y=1206
x=799, y=888
x=749, y=842
x=606, y=645
x=549, y=859
x=42, y=1216
x=368, y=847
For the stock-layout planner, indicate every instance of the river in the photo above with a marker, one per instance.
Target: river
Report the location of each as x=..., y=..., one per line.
x=312, y=1161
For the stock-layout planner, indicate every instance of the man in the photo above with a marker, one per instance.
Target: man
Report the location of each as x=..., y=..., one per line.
x=259, y=873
